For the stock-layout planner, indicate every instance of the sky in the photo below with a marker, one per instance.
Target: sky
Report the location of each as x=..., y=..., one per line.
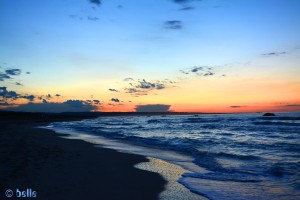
x=145, y=55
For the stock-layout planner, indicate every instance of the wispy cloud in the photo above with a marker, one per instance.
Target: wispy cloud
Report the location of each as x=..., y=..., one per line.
x=293, y=105
x=173, y=24
x=143, y=87
x=274, y=53
x=187, y=8
x=199, y=71
x=135, y=92
x=19, y=84
x=128, y=79
x=143, y=84
x=92, y=18
x=236, y=106
x=113, y=90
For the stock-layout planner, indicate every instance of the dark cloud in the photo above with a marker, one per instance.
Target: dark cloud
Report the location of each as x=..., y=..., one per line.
x=19, y=84
x=187, y=8
x=8, y=73
x=13, y=72
x=143, y=84
x=58, y=95
x=115, y=100
x=97, y=2
x=29, y=97
x=48, y=96
x=153, y=108
x=28, y=72
x=184, y=1
x=181, y=1
x=196, y=69
x=113, y=90
x=209, y=74
x=5, y=94
x=199, y=70
x=143, y=87
x=274, y=53
x=96, y=101
x=173, y=24
x=68, y=106
x=3, y=76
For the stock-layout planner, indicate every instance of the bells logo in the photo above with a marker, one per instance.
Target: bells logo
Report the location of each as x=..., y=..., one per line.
x=28, y=193
x=25, y=193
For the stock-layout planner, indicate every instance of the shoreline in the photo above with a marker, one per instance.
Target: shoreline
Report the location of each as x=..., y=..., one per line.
x=58, y=168
x=171, y=165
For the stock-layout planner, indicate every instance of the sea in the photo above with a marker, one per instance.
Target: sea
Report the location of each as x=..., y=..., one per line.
x=226, y=156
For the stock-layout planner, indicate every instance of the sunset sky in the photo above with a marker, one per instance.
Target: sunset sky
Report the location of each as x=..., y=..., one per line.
x=120, y=55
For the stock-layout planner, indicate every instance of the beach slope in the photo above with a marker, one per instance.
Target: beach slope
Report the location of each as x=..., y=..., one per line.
x=58, y=168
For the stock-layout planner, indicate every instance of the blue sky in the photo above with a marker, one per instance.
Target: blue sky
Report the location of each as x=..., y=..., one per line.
x=80, y=48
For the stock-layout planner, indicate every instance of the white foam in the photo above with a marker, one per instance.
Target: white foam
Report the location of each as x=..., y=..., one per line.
x=171, y=173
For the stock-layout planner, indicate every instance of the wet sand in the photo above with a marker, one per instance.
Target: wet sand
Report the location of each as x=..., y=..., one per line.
x=58, y=168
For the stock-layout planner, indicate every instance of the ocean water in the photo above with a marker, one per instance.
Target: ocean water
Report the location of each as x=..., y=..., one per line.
x=227, y=156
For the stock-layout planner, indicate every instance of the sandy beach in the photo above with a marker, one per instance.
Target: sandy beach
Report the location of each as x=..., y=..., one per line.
x=58, y=168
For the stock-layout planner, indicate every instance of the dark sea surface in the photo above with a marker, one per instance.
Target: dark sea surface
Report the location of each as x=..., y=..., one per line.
x=229, y=156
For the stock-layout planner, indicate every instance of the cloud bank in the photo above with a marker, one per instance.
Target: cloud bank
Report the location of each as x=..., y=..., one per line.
x=67, y=106
x=153, y=108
